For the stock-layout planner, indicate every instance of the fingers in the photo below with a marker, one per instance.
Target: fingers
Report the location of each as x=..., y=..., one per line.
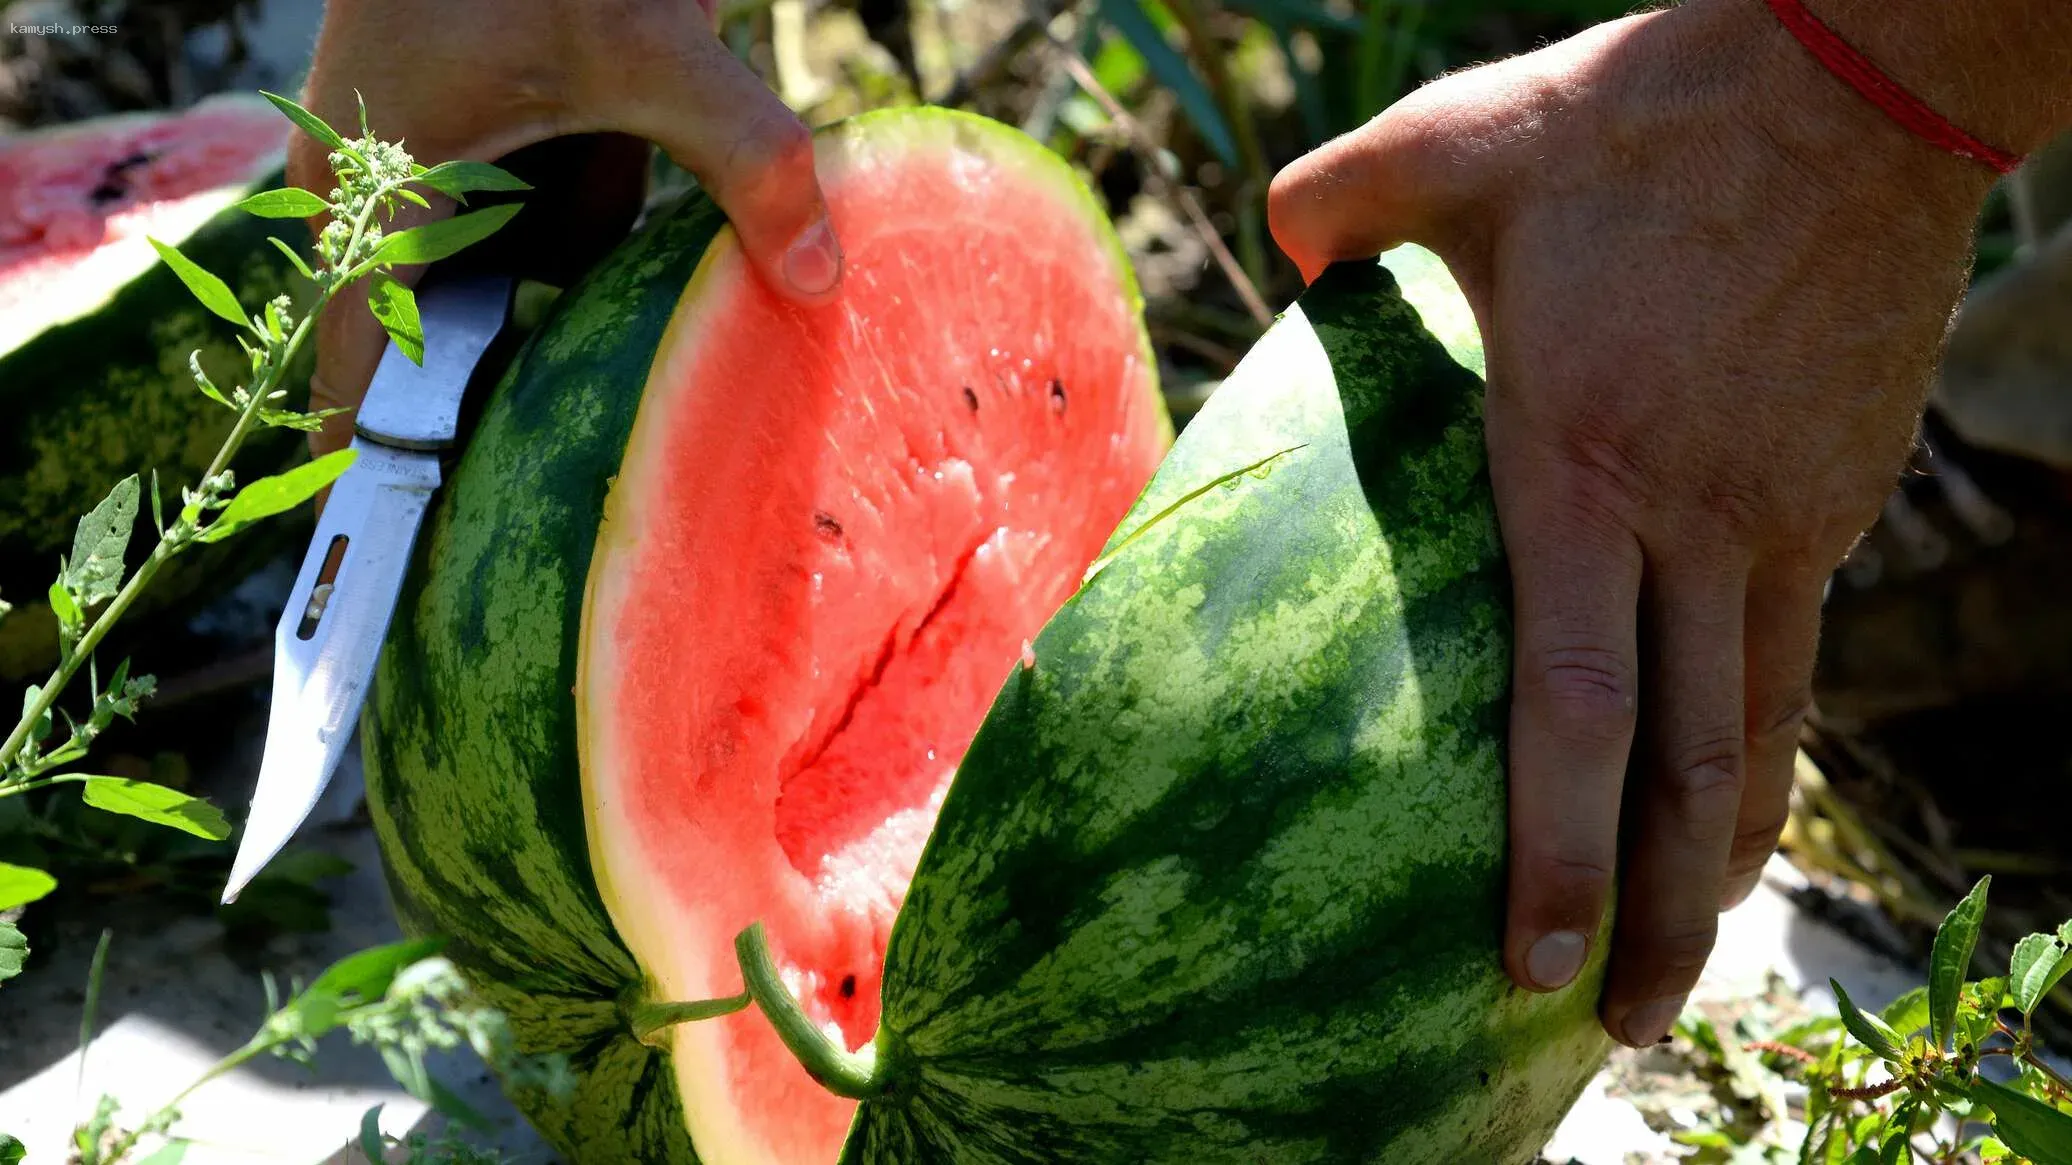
x=1417, y=172
x=718, y=120
x=1686, y=789
x=1576, y=570
x=1358, y=194
x=1783, y=616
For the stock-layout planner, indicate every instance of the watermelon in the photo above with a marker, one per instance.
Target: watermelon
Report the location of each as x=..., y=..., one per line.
x=1071, y=813
x=95, y=332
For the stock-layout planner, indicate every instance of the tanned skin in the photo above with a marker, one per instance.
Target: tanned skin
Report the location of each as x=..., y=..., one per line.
x=1714, y=283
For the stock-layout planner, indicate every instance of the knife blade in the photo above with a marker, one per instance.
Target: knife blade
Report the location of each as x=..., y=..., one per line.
x=331, y=629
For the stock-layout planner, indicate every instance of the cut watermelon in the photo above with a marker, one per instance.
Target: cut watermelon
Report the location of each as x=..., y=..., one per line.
x=831, y=535
x=95, y=331
x=80, y=199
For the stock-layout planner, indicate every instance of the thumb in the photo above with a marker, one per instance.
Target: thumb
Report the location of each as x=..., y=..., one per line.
x=751, y=153
x=1399, y=178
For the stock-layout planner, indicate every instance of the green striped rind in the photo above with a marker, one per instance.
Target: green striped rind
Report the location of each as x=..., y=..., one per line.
x=1221, y=878
x=470, y=732
x=108, y=394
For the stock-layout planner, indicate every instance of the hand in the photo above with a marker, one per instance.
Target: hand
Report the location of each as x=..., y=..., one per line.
x=479, y=79
x=1713, y=283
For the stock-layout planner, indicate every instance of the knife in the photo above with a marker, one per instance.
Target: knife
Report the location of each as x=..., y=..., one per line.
x=331, y=630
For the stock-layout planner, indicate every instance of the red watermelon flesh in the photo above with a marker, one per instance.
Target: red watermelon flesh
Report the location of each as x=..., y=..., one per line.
x=834, y=532
x=76, y=201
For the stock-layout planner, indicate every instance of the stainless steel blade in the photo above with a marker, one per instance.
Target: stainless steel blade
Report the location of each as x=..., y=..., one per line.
x=327, y=641
x=330, y=633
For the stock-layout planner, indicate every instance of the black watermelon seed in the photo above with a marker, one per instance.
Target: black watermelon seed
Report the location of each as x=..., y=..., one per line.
x=848, y=986
x=824, y=524
x=970, y=399
x=1057, y=397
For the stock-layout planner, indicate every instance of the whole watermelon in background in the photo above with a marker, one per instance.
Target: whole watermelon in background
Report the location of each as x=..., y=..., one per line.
x=722, y=591
x=95, y=333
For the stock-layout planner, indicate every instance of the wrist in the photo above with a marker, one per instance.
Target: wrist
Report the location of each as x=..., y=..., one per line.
x=2002, y=71
x=1791, y=109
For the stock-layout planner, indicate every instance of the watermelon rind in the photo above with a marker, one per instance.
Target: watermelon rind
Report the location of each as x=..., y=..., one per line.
x=96, y=387
x=1222, y=876
x=471, y=734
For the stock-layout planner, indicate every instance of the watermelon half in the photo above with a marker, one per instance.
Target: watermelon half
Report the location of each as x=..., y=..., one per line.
x=1090, y=820
x=95, y=331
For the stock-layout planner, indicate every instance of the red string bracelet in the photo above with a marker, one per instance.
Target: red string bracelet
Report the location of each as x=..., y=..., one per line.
x=1913, y=114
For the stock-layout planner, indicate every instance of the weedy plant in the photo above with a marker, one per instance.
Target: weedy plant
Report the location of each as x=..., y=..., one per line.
x=1947, y=1073
x=401, y=999
x=94, y=587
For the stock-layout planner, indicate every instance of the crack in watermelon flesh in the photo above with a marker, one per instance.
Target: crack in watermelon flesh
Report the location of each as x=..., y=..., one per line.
x=834, y=532
x=77, y=201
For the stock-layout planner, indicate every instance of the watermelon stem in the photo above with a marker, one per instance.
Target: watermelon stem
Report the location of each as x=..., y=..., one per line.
x=847, y=1074
x=646, y=1019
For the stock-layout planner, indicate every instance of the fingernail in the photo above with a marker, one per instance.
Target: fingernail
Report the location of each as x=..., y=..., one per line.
x=1555, y=959
x=814, y=261
x=1649, y=1022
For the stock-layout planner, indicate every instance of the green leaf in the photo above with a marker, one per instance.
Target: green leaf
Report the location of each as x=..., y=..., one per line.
x=1897, y=1130
x=1864, y=1155
x=273, y=495
x=437, y=240
x=11, y=1151
x=287, y=202
x=20, y=885
x=213, y=293
x=301, y=264
x=70, y=617
x=449, y=1104
x=412, y=196
x=311, y=124
x=2028, y=1126
x=373, y=1145
x=201, y=380
x=90, y=1012
x=408, y=1068
x=1950, y=961
x=395, y=306
x=1172, y=71
x=307, y=867
x=41, y=728
x=158, y=805
x=157, y=505
x=94, y=572
x=1908, y=1013
x=1869, y=1030
x=14, y=951
x=456, y=179
x=169, y=1153
x=365, y=975
x=2034, y=970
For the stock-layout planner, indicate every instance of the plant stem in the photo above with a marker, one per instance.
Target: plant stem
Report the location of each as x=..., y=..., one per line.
x=2033, y=1061
x=175, y=538
x=257, y=1044
x=1237, y=111
x=1147, y=150
x=42, y=783
x=838, y=1070
x=646, y=1019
